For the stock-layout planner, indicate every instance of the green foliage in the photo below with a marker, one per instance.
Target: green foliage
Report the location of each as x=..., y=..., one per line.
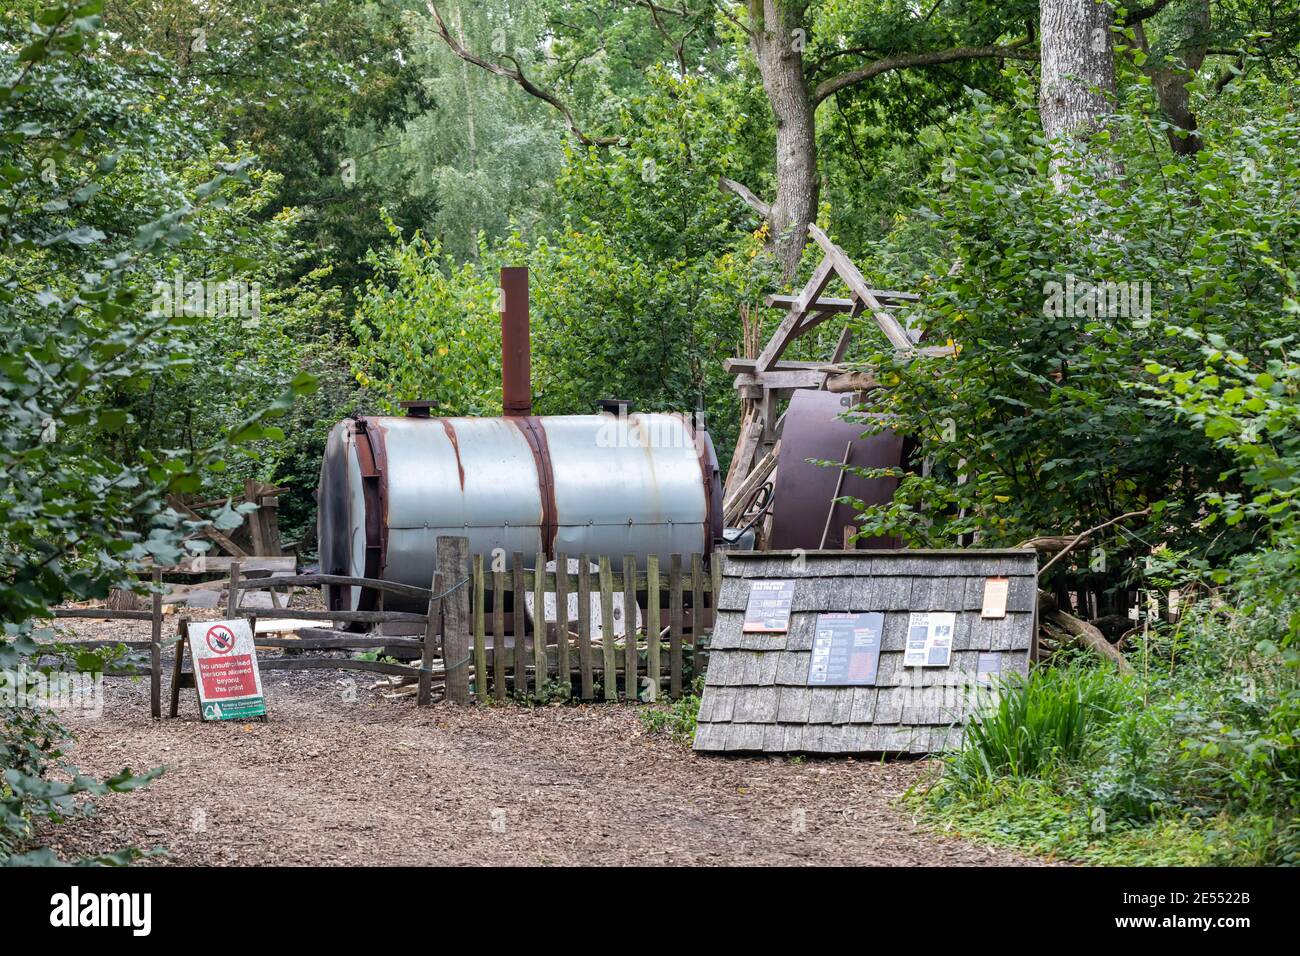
x=427, y=328
x=1037, y=425
x=1037, y=724
x=96, y=198
x=675, y=718
x=633, y=298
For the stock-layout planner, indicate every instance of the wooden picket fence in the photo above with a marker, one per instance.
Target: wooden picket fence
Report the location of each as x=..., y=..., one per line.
x=677, y=616
x=668, y=651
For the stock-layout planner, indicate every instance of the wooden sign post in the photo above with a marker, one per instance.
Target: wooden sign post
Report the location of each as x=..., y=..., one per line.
x=225, y=670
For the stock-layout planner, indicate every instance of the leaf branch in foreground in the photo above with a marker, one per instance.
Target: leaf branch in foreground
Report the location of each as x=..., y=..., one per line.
x=516, y=74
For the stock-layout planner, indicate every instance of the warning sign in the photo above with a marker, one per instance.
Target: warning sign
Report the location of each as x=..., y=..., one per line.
x=225, y=670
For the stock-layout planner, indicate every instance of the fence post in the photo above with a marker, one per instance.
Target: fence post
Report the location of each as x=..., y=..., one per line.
x=631, y=685
x=232, y=598
x=453, y=561
x=155, y=649
x=424, y=689
x=480, y=634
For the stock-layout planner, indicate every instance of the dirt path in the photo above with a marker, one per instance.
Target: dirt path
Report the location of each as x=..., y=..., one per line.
x=378, y=781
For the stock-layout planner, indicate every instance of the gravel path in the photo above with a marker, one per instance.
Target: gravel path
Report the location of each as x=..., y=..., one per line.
x=341, y=775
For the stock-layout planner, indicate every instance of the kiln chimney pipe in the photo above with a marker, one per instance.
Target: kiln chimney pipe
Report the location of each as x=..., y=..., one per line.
x=516, y=373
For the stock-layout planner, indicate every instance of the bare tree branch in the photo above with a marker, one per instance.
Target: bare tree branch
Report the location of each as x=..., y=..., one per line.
x=745, y=193
x=516, y=74
x=1013, y=51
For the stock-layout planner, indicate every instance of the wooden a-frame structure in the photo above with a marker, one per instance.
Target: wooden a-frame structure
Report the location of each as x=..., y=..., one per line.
x=765, y=380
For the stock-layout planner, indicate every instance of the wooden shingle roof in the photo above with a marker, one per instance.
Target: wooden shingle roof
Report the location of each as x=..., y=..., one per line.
x=757, y=695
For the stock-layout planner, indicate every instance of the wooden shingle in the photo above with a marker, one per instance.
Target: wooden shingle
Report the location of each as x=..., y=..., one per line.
x=756, y=696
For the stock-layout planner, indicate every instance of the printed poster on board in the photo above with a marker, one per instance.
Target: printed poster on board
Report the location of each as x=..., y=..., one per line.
x=929, y=639
x=225, y=670
x=846, y=649
x=768, y=609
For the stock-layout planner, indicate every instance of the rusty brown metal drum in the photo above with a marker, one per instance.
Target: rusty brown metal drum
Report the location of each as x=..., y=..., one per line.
x=813, y=429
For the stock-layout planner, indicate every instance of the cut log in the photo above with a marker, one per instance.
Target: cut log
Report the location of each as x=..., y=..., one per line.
x=1091, y=638
x=852, y=382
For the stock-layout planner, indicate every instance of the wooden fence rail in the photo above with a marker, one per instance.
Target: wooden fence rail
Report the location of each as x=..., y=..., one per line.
x=479, y=656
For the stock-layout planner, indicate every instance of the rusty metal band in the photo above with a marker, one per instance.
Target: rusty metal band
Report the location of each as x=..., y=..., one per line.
x=372, y=459
x=531, y=428
x=712, y=477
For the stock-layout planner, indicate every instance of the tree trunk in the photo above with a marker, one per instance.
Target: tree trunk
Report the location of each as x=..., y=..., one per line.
x=1077, y=89
x=778, y=40
x=1170, y=77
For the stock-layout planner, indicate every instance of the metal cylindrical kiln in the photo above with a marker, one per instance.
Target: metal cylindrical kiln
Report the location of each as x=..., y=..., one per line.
x=604, y=484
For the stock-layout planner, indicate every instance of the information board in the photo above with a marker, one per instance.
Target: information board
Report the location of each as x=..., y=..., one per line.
x=929, y=639
x=995, y=597
x=225, y=670
x=846, y=648
x=768, y=609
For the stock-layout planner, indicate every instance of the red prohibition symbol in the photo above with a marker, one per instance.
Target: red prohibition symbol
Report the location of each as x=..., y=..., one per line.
x=221, y=639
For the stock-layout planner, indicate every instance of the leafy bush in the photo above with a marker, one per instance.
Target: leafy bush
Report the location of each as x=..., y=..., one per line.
x=98, y=195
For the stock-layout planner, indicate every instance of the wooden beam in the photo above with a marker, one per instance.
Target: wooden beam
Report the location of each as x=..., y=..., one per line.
x=785, y=332
x=756, y=478
x=891, y=300
x=210, y=531
x=793, y=378
x=842, y=346
x=847, y=271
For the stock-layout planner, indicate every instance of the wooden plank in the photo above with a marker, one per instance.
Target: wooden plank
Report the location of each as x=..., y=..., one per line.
x=102, y=613
x=842, y=346
x=731, y=510
x=889, y=297
x=747, y=418
x=520, y=627
x=182, y=633
x=232, y=591
x=743, y=459
x=609, y=676
x=433, y=614
x=584, y=627
x=848, y=272
x=499, y=635
x=351, y=617
x=675, y=626
x=155, y=650
x=256, y=529
x=715, y=587
x=337, y=663
x=785, y=331
x=453, y=564
x=697, y=610
x=220, y=564
x=480, y=632
x=539, y=621
x=778, y=379
x=652, y=610
x=208, y=531
x=630, y=683
x=317, y=580
x=562, y=621
x=323, y=641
